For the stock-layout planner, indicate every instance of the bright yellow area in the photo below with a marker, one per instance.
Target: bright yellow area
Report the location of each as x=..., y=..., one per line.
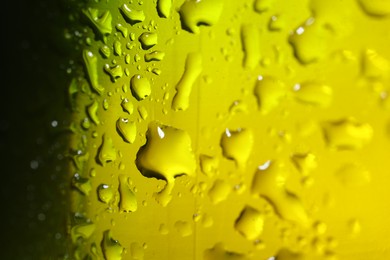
x=233, y=130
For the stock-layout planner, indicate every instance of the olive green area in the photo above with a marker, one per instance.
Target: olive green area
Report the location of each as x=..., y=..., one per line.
x=34, y=128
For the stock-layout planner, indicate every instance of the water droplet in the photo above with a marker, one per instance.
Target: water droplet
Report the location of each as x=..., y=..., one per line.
x=219, y=252
x=192, y=69
x=354, y=226
x=105, y=193
x=276, y=23
x=347, y=134
x=107, y=152
x=166, y=155
x=305, y=162
x=126, y=129
x=311, y=41
x=127, y=106
x=142, y=112
x=250, y=223
x=313, y=93
x=132, y=15
x=140, y=87
x=148, y=40
x=164, y=230
x=269, y=93
x=353, y=175
x=101, y=22
x=184, y=228
x=219, y=191
x=261, y=6
x=237, y=145
x=82, y=184
x=164, y=8
x=250, y=37
x=207, y=220
x=114, y=72
x=375, y=7
x=154, y=56
x=156, y=71
x=196, y=13
x=375, y=66
x=82, y=231
x=128, y=201
x=208, y=164
x=90, y=61
x=106, y=105
x=286, y=254
x=112, y=249
x=122, y=29
x=92, y=112
x=137, y=251
x=117, y=48
x=319, y=227
x=269, y=182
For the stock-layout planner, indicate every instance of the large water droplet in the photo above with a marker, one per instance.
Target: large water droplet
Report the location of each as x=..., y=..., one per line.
x=219, y=191
x=127, y=129
x=194, y=13
x=140, y=87
x=192, y=69
x=375, y=7
x=148, y=40
x=107, y=152
x=269, y=182
x=250, y=223
x=353, y=175
x=237, y=145
x=128, y=201
x=269, y=93
x=132, y=15
x=112, y=249
x=347, y=134
x=166, y=155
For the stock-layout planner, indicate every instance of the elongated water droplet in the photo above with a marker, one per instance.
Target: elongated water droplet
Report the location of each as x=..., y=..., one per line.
x=105, y=51
x=140, y=87
x=269, y=93
x=313, y=93
x=166, y=155
x=117, y=48
x=132, y=15
x=219, y=252
x=219, y=191
x=128, y=201
x=250, y=37
x=192, y=69
x=92, y=112
x=143, y=112
x=107, y=152
x=250, y=223
x=90, y=61
x=194, y=13
x=154, y=56
x=237, y=145
x=127, y=129
x=112, y=249
x=347, y=134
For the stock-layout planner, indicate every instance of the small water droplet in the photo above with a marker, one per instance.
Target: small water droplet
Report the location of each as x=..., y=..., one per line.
x=269, y=93
x=208, y=164
x=117, y=48
x=101, y=21
x=82, y=231
x=82, y=184
x=127, y=106
x=90, y=61
x=313, y=93
x=164, y=230
x=164, y=8
x=184, y=228
x=126, y=129
x=105, y=193
x=137, y=251
x=353, y=175
x=154, y=56
x=114, y=72
x=148, y=40
x=237, y=145
x=112, y=249
x=128, y=201
x=132, y=15
x=219, y=191
x=122, y=29
x=107, y=151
